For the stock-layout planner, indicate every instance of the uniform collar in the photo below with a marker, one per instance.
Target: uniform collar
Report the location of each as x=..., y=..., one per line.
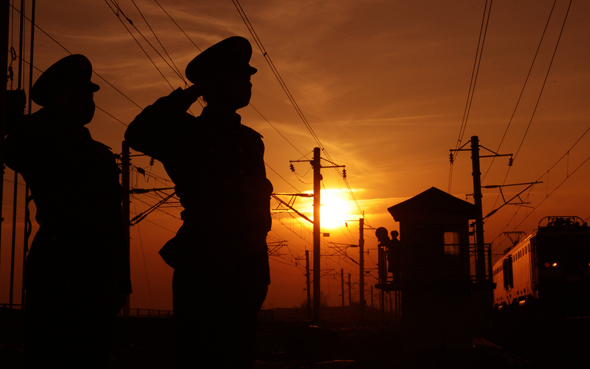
x=222, y=118
x=51, y=121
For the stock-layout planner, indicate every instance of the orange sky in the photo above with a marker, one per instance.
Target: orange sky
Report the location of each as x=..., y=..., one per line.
x=384, y=86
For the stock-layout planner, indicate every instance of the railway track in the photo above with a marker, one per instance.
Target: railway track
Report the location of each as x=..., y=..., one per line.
x=504, y=358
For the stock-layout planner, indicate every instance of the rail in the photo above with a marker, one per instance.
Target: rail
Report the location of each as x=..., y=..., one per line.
x=263, y=315
x=508, y=359
x=150, y=313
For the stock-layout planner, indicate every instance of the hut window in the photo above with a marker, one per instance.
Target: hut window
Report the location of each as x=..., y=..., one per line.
x=452, y=244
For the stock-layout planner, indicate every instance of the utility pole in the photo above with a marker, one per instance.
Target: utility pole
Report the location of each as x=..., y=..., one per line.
x=482, y=296
x=342, y=284
x=362, y=268
x=27, y=221
x=5, y=22
x=361, y=245
x=480, y=256
x=16, y=176
x=125, y=208
x=317, y=177
x=308, y=284
x=349, y=291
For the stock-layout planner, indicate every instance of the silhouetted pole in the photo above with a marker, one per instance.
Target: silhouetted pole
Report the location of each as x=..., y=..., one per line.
x=15, y=189
x=349, y=291
x=480, y=261
x=4, y=21
x=308, y=282
x=28, y=226
x=125, y=208
x=362, y=268
x=317, y=177
x=342, y=284
x=382, y=302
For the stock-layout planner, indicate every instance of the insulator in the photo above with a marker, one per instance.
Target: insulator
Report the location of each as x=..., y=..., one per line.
x=292, y=167
x=451, y=156
x=510, y=162
x=152, y=161
x=344, y=173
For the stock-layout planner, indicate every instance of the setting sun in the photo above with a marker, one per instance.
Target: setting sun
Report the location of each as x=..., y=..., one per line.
x=334, y=209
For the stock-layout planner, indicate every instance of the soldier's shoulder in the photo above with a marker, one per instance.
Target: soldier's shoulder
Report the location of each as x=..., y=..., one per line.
x=102, y=146
x=251, y=131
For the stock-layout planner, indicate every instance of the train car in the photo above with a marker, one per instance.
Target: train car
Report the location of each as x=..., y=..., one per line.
x=548, y=271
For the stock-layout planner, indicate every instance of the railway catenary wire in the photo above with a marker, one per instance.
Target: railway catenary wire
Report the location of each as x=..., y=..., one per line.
x=517, y=104
x=175, y=67
x=540, y=91
x=474, y=73
x=547, y=196
x=116, y=11
x=522, y=90
x=291, y=97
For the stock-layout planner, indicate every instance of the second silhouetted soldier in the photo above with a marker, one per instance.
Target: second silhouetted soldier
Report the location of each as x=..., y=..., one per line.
x=219, y=255
x=77, y=273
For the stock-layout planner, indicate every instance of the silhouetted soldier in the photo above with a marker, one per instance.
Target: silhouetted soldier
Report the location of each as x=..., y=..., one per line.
x=77, y=273
x=219, y=255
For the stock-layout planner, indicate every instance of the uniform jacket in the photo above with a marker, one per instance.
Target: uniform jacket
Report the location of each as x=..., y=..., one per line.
x=217, y=165
x=74, y=182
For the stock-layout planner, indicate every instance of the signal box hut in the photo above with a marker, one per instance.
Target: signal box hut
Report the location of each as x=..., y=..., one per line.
x=436, y=275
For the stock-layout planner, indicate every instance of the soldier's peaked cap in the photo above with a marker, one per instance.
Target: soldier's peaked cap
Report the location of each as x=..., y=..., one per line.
x=72, y=71
x=230, y=55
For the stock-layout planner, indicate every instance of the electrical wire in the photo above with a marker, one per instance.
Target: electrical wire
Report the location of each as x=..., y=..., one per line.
x=173, y=66
x=568, y=175
x=290, y=96
x=116, y=13
x=177, y=25
x=535, y=109
x=523, y=87
x=545, y=80
x=69, y=52
x=474, y=74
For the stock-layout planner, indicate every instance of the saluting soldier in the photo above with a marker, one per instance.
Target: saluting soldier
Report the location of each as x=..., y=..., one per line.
x=219, y=255
x=77, y=272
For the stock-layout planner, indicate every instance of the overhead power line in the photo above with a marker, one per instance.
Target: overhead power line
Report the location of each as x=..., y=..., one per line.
x=173, y=66
x=69, y=52
x=290, y=96
x=116, y=10
x=177, y=25
x=524, y=85
x=545, y=80
x=474, y=73
x=568, y=176
x=540, y=92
